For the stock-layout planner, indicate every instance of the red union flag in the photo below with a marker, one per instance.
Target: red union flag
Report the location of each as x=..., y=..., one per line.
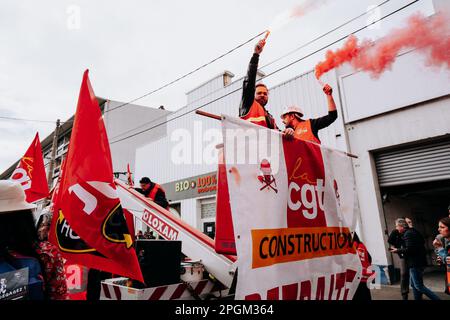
x=224, y=239
x=306, y=180
x=88, y=224
x=30, y=172
x=293, y=207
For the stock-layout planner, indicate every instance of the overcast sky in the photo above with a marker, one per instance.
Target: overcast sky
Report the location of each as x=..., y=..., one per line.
x=132, y=47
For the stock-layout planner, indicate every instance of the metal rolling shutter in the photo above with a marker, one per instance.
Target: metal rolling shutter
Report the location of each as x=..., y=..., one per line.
x=430, y=162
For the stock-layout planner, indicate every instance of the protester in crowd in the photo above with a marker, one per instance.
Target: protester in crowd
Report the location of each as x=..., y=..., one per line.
x=149, y=235
x=362, y=292
x=395, y=240
x=20, y=246
x=440, y=241
x=139, y=235
x=255, y=96
x=54, y=273
x=442, y=246
x=409, y=222
x=153, y=191
x=415, y=255
x=308, y=129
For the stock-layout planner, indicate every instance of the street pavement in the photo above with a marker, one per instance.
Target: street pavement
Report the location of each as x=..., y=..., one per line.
x=392, y=292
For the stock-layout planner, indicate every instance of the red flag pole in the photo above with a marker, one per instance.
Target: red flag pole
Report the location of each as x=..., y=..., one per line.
x=53, y=156
x=216, y=117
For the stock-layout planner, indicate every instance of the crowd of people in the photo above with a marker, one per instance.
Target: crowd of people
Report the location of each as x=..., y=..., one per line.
x=25, y=244
x=147, y=235
x=409, y=244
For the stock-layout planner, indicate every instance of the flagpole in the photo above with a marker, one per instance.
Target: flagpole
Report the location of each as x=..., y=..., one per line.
x=208, y=115
x=216, y=117
x=53, y=156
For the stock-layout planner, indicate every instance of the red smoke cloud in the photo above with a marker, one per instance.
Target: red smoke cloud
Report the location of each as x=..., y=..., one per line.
x=430, y=36
x=306, y=7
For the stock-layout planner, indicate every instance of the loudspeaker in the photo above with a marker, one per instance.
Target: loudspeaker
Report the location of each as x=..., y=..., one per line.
x=160, y=261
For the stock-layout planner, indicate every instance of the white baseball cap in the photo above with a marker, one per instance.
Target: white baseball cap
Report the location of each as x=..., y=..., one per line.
x=12, y=197
x=292, y=109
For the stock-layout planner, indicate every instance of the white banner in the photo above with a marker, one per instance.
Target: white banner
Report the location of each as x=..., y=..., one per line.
x=294, y=207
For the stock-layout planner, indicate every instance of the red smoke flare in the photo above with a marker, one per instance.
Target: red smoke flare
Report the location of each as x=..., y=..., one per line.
x=430, y=36
x=307, y=6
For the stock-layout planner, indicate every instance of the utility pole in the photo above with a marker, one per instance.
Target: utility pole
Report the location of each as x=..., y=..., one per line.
x=53, y=156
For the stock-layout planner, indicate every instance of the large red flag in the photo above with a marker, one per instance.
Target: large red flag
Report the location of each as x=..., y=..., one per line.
x=30, y=172
x=89, y=226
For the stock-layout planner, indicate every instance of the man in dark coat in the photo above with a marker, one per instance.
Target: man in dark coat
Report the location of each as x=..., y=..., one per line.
x=415, y=257
x=395, y=240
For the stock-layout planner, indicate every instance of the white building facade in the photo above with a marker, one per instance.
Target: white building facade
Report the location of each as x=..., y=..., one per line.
x=398, y=125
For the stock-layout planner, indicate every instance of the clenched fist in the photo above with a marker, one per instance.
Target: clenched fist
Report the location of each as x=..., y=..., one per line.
x=328, y=90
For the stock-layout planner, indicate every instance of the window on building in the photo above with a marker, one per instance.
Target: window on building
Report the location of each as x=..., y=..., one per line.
x=208, y=209
x=208, y=217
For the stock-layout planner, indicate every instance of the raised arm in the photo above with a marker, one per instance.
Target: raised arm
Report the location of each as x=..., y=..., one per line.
x=248, y=92
x=325, y=121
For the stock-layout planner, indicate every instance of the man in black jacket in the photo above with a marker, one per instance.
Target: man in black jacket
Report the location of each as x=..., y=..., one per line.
x=395, y=240
x=255, y=96
x=415, y=257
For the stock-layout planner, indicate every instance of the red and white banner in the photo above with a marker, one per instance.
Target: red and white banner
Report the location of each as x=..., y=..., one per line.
x=294, y=207
x=30, y=172
x=115, y=289
x=89, y=226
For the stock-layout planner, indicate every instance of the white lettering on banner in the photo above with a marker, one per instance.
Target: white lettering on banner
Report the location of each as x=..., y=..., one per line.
x=307, y=191
x=24, y=179
x=158, y=225
x=90, y=202
x=105, y=188
x=69, y=231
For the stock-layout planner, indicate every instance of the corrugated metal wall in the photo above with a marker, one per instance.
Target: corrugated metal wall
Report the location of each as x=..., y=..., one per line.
x=155, y=159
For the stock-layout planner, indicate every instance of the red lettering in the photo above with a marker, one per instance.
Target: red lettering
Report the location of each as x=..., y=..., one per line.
x=320, y=292
x=349, y=278
x=330, y=294
x=290, y=291
x=305, y=290
x=254, y=296
x=273, y=294
x=340, y=283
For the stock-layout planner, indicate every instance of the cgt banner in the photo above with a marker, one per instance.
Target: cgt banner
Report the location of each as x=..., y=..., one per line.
x=294, y=206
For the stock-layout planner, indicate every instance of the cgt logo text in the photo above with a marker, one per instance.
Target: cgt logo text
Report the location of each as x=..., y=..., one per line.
x=307, y=196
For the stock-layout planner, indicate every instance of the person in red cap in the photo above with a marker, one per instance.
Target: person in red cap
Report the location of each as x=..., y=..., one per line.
x=308, y=129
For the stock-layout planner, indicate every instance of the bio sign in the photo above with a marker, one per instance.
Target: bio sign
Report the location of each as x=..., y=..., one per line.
x=191, y=187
